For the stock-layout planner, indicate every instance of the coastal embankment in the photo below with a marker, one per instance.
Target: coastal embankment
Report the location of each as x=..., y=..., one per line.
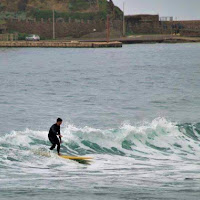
x=158, y=39
x=61, y=44
x=140, y=39
x=101, y=42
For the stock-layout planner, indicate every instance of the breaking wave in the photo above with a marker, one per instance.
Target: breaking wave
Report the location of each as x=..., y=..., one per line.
x=159, y=139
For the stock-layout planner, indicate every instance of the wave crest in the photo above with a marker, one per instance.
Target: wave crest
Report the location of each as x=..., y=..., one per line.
x=148, y=140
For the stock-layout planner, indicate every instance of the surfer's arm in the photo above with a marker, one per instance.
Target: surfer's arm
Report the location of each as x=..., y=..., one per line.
x=60, y=136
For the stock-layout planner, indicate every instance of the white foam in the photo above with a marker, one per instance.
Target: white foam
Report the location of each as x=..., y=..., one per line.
x=159, y=133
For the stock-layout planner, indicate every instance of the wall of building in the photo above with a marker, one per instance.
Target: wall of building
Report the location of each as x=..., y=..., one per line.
x=190, y=33
x=177, y=26
x=150, y=24
x=192, y=25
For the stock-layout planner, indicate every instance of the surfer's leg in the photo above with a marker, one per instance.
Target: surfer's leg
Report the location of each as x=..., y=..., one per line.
x=53, y=142
x=58, y=145
x=58, y=148
x=53, y=146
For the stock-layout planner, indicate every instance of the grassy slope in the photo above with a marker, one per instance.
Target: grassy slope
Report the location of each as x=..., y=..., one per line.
x=75, y=9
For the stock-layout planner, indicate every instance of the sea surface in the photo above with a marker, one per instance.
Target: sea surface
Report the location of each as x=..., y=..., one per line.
x=135, y=110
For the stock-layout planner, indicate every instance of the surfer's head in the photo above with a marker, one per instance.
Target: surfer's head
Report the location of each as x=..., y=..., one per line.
x=59, y=121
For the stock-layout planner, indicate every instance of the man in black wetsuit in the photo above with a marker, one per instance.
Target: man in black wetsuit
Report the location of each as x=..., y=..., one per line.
x=53, y=133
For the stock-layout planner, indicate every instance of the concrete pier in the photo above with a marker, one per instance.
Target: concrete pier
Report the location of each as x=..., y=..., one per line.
x=60, y=44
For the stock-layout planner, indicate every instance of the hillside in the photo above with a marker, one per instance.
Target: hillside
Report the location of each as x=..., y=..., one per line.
x=86, y=9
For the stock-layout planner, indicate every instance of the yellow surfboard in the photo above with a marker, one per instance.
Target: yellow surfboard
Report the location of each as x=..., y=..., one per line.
x=75, y=157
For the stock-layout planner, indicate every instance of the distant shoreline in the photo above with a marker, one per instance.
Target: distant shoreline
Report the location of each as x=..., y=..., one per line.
x=146, y=39
x=101, y=42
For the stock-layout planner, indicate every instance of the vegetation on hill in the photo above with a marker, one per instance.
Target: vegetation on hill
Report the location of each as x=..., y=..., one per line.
x=74, y=9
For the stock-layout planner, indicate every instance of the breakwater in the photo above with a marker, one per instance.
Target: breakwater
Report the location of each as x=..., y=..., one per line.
x=60, y=44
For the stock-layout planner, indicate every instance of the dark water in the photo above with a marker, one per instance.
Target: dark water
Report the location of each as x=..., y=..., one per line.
x=135, y=110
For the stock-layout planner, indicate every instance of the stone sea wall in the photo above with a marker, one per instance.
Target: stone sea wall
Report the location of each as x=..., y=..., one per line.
x=75, y=28
x=136, y=24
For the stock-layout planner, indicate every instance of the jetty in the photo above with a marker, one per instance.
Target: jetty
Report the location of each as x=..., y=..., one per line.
x=61, y=44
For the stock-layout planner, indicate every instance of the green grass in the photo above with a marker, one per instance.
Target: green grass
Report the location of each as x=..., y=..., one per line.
x=8, y=15
x=46, y=14
x=77, y=5
x=2, y=22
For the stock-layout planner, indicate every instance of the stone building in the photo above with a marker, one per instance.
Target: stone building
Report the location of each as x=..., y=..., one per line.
x=185, y=28
x=142, y=24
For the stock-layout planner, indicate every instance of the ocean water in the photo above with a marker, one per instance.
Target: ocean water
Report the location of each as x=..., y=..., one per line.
x=135, y=110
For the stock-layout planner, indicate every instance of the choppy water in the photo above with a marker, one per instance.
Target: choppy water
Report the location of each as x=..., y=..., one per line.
x=135, y=110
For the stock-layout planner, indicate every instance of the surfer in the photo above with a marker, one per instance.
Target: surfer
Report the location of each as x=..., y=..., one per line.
x=53, y=133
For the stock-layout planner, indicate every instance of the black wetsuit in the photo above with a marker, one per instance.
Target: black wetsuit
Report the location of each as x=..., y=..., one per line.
x=53, y=132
